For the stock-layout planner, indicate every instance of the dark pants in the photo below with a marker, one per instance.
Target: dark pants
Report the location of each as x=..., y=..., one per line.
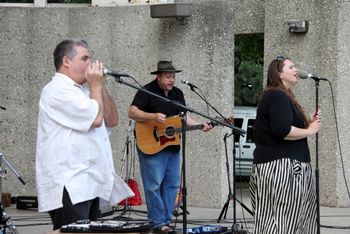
x=70, y=213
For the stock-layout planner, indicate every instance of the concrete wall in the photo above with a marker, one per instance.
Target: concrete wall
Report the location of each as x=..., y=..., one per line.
x=323, y=50
x=128, y=39
x=343, y=108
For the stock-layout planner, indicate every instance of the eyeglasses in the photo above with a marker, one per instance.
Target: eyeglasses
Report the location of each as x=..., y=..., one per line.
x=280, y=58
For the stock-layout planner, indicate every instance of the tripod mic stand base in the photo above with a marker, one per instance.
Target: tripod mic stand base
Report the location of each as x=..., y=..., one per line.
x=236, y=230
x=240, y=232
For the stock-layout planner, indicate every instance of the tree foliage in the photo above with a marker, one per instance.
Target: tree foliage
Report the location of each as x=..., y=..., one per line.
x=249, y=60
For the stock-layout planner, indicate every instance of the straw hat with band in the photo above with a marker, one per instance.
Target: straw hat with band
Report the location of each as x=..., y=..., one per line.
x=165, y=66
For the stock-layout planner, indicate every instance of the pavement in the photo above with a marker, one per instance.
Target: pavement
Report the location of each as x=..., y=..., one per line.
x=333, y=220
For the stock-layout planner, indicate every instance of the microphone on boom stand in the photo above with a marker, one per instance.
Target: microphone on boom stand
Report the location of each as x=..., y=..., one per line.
x=232, y=195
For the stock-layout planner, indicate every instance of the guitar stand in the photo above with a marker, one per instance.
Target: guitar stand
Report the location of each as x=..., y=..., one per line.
x=125, y=210
x=130, y=168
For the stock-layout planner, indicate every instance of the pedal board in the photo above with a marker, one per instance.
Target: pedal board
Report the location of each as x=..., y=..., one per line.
x=107, y=227
x=209, y=229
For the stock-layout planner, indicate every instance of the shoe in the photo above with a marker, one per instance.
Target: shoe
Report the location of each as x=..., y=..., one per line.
x=162, y=229
x=172, y=226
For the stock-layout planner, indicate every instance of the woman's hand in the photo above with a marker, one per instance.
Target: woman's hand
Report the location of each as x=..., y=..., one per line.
x=315, y=115
x=314, y=126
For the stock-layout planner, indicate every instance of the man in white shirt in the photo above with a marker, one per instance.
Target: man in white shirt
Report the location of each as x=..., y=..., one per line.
x=74, y=164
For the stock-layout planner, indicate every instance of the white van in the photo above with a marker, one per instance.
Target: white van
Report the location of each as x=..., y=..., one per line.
x=244, y=117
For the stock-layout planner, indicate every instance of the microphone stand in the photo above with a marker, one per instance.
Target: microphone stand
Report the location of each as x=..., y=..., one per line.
x=179, y=105
x=205, y=100
x=6, y=222
x=19, y=176
x=232, y=195
x=317, y=174
x=184, y=188
x=317, y=84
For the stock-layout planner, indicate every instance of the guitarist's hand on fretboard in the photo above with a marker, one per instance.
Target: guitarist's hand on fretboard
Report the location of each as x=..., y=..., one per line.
x=206, y=127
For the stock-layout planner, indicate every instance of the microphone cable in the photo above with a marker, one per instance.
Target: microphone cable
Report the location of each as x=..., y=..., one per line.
x=341, y=156
x=245, y=222
x=118, y=78
x=136, y=81
x=206, y=103
x=339, y=144
x=235, y=200
x=201, y=95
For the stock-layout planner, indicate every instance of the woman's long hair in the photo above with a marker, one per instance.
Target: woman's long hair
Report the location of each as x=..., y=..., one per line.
x=274, y=82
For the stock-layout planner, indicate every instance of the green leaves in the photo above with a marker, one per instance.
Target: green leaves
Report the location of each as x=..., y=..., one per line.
x=248, y=83
x=249, y=60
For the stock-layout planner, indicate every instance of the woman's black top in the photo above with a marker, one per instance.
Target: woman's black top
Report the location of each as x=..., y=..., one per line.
x=275, y=116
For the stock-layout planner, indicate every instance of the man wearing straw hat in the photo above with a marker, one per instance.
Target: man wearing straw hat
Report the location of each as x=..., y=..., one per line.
x=160, y=172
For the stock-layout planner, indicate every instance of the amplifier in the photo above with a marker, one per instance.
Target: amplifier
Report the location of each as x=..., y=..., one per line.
x=26, y=202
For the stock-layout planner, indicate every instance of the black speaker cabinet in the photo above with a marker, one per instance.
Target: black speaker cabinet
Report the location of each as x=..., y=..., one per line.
x=26, y=202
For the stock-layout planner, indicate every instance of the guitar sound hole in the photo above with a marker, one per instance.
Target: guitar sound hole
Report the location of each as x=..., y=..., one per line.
x=169, y=131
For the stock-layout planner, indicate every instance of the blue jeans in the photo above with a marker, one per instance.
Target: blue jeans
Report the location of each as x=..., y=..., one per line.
x=161, y=177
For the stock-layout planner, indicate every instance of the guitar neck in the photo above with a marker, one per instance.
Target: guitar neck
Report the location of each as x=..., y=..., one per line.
x=194, y=127
x=190, y=128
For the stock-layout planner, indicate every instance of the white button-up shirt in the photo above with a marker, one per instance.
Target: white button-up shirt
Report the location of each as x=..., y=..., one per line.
x=69, y=152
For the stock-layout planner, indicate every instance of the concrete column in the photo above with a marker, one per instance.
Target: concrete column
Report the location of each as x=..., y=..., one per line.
x=322, y=50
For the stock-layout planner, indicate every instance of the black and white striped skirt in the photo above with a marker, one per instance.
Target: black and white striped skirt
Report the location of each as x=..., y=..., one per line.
x=283, y=197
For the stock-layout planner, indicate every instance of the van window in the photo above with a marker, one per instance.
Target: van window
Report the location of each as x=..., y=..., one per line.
x=251, y=131
x=238, y=122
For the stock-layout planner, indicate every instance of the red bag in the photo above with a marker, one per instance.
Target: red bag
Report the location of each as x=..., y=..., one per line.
x=135, y=200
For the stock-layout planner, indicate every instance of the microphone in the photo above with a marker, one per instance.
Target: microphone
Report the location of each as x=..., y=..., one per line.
x=306, y=75
x=189, y=84
x=116, y=73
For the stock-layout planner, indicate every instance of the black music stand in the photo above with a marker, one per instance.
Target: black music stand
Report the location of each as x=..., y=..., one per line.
x=182, y=107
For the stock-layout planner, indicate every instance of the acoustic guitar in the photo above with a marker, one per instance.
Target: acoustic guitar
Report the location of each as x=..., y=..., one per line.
x=152, y=136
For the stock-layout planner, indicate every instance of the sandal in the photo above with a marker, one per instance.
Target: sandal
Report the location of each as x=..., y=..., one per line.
x=162, y=229
x=172, y=226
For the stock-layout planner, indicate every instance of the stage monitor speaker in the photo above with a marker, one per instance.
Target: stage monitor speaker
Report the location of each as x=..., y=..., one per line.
x=26, y=202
